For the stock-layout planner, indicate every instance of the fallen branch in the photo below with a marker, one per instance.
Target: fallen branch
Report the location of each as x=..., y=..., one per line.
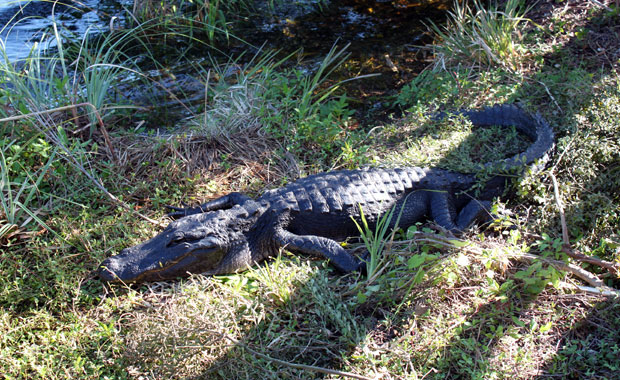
x=583, y=274
x=611, y=267
x=605, y=7
x=594, y=291
x=590, y=278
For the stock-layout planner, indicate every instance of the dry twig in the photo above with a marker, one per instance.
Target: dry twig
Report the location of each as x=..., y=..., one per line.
x=558, y=202
x=611, y=267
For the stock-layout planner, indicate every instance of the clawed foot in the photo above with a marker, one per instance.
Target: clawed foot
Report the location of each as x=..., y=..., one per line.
x=364, y=259
x=180, y=212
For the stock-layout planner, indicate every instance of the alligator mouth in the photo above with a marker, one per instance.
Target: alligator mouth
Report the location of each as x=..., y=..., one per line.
x=127, y=267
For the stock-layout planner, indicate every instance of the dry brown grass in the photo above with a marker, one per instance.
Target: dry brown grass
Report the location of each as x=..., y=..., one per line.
x=240, y=162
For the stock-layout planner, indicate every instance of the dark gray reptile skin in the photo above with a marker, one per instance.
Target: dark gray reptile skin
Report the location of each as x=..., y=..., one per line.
x=312, y=214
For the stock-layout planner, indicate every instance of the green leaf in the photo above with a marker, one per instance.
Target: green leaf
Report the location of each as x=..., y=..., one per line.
x=459, y=243
x=419, y=276
x=373, y=288
x=361, y=297
x=546, y=327
x=415, y=261
x=411, y=232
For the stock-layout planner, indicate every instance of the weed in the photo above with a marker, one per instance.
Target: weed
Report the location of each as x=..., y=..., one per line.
x=375, y=241
x=290, y=105
x=317, y=120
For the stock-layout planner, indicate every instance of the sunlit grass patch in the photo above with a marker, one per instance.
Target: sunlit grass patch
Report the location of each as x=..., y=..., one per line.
x=453, y=143
x=43, y=345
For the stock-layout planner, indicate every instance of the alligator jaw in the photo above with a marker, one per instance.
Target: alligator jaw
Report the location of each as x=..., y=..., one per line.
x=157, y=260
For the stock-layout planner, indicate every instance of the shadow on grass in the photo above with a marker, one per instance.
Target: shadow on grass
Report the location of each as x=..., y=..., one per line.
x=589, y=348
x=283, y=310
x=588, y=64
x=583, y=329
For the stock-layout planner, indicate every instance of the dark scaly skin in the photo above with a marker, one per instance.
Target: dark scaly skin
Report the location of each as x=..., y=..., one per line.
x=312, y=214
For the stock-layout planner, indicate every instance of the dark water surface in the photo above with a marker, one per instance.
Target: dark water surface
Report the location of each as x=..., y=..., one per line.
x=25, y=23
x=385, y=38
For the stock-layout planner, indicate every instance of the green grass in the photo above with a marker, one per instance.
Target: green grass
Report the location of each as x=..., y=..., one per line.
x=482, y=35
x=437, y=307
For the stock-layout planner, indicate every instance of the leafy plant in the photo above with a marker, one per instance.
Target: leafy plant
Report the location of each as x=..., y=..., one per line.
x=291, y=105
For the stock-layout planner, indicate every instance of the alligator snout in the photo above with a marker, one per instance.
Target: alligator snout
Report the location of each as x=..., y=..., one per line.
x=109, y=269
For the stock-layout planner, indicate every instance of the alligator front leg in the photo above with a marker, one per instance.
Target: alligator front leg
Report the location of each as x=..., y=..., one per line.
x=221, y=203
x=321, y=247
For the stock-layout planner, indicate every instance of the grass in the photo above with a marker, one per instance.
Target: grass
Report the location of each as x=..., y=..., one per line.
x=438, y=307
x=481, y=35
x=193, y=18
x=268, y=99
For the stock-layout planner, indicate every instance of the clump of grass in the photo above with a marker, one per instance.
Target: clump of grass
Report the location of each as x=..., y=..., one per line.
x=297, y=108
x=68, y=75
x=481, y=35
x=234, y=103
x=214, y=19
x=18, y=196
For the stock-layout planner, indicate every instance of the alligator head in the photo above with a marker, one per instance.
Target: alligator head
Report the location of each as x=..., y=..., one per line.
x=210, y=243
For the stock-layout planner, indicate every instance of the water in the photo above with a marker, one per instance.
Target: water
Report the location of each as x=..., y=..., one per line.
x=384, y=38
x=27, y=23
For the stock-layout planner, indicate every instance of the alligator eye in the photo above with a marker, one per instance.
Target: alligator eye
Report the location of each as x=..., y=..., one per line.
x=176, y=239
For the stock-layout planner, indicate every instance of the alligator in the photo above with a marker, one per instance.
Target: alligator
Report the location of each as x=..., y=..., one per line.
x=311, y=215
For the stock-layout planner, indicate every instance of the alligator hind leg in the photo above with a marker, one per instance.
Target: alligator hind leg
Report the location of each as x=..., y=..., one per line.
x=321, y=247
x=473, y=211
x=444, y=212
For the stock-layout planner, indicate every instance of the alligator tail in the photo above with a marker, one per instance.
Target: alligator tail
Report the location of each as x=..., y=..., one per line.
x=533, y=126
